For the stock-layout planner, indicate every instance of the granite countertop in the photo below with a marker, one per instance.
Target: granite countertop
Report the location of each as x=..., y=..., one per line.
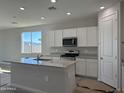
x=51, y=63
x=84, y=56
x=88, y=56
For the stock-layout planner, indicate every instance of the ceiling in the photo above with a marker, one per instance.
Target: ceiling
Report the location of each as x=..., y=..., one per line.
x=35, y=9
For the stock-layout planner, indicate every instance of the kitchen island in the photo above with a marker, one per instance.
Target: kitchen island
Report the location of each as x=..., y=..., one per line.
x=43, y=76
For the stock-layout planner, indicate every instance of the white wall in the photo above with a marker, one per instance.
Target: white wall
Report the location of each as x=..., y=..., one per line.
x=11, y=44
x=1, y=45
x=123, y=78
x=122, y=41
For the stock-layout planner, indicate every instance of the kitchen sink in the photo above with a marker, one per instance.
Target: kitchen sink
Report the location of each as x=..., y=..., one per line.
x=42, y=59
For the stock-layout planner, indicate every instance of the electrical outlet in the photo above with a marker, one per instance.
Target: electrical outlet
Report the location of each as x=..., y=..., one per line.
x=46, y=78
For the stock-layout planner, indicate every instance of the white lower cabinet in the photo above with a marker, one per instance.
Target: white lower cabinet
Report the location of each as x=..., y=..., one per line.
x=92, y=67
x=87, y=67
x=5, y=79
x=81, y=68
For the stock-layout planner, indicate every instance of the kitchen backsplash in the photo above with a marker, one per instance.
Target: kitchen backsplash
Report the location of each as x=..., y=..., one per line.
x=57, y=51
x=83, y=51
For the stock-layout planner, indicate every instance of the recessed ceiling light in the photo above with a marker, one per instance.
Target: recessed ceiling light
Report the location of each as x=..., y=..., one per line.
x=68, y=13
x=14, y=23
x=14, y=17
x=22, y=8
x=42, y=18
x=53, y=1
x=102, y=7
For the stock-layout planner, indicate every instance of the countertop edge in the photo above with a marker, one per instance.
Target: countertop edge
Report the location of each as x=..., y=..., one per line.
x=64, y=66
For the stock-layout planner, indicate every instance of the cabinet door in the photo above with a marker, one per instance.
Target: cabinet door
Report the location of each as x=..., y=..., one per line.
x=5, y=79
x=58, y=38
x=92, y=67
x=92, y=36
x=82, y=37
x=70, y=33
x=81, y=67
x=51, y=38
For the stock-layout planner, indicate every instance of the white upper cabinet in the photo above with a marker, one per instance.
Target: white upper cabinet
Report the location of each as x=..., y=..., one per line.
x=70, y=32
x=92, y=36
x=51, y=41
x=82, y=37
x=87, y=36
x=58, y=38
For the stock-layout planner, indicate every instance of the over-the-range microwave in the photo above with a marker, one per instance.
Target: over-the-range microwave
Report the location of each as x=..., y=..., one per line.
x=70, y=42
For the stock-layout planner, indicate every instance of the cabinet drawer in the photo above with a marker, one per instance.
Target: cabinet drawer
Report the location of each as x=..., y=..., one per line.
x=80, y=59
x=91, y=60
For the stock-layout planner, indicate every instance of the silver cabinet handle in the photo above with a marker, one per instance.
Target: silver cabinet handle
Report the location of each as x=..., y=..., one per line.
x=72, y=41
x=122, y=60
x=101, y=58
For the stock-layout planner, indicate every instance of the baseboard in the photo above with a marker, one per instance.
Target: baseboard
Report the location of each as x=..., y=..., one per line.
x=28, y=88
x=118, y=89
x=86, y=77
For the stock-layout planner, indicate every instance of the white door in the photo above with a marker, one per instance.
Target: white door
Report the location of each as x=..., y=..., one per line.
x=82, y=37
x=108, y=49
x=58, y=38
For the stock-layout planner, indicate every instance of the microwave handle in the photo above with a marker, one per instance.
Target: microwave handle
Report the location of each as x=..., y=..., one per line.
x=72, y=41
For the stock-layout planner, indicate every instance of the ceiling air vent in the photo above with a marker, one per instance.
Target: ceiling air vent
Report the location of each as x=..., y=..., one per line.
x=52, y=8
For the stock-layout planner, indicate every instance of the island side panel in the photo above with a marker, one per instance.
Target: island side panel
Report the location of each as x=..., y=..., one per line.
x=41, y=79
x=70, y=79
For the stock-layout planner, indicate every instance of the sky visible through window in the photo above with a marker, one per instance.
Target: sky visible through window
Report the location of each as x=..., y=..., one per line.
x=35, y=36
x=27, y=37
x=31, y=42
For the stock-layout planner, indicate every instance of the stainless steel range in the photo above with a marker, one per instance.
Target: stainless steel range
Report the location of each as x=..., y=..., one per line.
x=70, y=54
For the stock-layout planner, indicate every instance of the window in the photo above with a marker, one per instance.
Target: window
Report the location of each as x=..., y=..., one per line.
x=31, y=42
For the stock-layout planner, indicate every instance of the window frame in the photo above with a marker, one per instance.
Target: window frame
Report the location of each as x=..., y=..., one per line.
x=22, y=52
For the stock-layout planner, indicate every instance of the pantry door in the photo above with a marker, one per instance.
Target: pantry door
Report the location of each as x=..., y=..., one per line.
x=108, y=49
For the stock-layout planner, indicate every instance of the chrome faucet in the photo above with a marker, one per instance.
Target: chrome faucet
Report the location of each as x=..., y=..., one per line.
x=38, y=56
